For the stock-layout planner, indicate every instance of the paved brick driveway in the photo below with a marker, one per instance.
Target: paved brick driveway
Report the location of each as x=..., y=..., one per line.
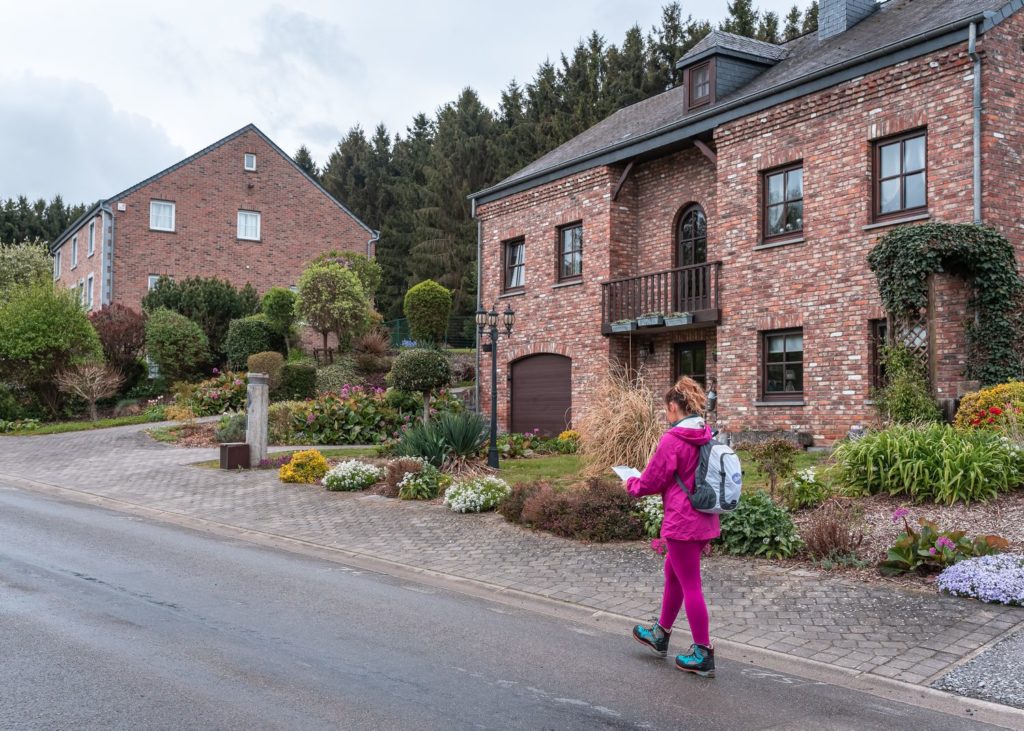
x=911, y=636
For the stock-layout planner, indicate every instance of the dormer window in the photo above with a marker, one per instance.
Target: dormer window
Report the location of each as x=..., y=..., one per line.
x=700, y=84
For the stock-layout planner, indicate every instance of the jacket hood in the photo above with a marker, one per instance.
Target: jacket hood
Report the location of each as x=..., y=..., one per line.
x=692, y=430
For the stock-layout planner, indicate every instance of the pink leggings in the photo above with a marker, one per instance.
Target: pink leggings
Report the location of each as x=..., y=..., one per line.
x=682, y=587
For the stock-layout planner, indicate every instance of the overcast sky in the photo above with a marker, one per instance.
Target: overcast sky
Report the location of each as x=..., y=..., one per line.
x=96, y=96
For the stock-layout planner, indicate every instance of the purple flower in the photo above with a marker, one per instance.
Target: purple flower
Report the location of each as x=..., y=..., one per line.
x=998, y=578
x=216, y=371
x=899, y=514
x=238, y=382
x=945, y=542
x=932, y=550
x=310, y=417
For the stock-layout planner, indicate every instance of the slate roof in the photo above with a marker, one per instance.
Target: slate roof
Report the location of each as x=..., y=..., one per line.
x=895, y=26
x=720, y=40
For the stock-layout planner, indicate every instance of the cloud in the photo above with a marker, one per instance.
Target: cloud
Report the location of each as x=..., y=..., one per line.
x=65, y=137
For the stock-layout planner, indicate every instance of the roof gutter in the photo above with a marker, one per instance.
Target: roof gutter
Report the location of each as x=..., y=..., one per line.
x=720, y=115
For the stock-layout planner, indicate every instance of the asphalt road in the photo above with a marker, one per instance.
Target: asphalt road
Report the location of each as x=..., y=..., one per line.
x=109, y=621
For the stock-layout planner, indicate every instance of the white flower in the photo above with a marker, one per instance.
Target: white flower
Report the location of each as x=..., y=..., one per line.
x=352, y=475
x=476, y=494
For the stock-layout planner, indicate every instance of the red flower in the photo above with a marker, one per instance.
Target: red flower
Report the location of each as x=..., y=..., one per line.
x=991, y=420
x=975, y=422
x=995, y=411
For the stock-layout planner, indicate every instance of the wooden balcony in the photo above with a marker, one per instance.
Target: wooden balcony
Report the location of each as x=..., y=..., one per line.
x=692, y=289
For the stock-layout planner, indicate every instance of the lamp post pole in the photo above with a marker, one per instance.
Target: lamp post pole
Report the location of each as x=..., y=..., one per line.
x=488, y=322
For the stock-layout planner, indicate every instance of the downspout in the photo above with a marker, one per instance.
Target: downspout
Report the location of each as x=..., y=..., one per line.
x=973, y=53
x=479, y=282
x=107, y=257
x=371, y=245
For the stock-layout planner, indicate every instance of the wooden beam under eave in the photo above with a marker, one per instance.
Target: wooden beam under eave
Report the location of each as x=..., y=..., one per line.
x=707, y=152
x=622, y=179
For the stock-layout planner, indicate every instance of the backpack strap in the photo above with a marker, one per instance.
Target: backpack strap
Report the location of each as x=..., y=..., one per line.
x=682, y=485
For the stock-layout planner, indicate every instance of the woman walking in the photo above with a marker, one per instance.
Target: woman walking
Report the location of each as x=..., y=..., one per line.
x=685, y=530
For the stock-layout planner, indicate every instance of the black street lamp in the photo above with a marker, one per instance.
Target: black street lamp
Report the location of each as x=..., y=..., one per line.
x=488, y=322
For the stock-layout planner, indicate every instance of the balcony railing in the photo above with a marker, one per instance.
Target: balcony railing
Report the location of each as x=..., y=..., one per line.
x=692, y=289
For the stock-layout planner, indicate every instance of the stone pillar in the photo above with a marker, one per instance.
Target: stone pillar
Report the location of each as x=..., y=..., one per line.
x=257, y=407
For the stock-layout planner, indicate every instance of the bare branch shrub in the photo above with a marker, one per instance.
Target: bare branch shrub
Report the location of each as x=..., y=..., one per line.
x=91, y=382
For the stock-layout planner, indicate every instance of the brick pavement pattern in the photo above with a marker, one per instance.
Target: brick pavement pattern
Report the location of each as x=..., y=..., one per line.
x=910, y=636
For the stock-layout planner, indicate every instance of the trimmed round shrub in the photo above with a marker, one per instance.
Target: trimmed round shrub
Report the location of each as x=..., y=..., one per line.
x=270, y=362
x=248, y=336
x=759, y=527
x=934, y=463
x=422, y=485
x=352, y=475
x=476, y=494
x=298, y=382
x=332, y=378
x=995, y=579
x=427, y=307
x=1004, y=397
x=177, y=345
x=420, y=370
x=306, y=467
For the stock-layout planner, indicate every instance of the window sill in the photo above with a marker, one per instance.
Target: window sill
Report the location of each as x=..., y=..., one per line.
x=776, y=244
x=570, y=283
x=517, y=293
x=162, y=230
x=897, y=221
x=91, y=255
x=251, y=241
x=800, y=402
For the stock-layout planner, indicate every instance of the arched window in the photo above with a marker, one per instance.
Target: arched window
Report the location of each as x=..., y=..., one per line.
x=692, y=237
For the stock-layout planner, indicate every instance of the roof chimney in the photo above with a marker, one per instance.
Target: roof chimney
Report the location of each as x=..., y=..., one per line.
x=838, y=16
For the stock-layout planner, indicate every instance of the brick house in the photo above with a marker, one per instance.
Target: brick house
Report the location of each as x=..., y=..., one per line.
x=241, y=209
x=749, y=196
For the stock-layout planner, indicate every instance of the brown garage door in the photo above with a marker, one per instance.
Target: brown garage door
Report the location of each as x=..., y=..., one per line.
x=542, y=394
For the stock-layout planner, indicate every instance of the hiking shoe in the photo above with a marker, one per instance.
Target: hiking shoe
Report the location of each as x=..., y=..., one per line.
x=654, y=637
x=700, y=660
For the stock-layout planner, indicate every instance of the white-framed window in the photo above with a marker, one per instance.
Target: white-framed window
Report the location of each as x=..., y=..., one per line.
x=151, y=282
x=249, y=225
x=56, y=265
x=81, y=292
x=250, y=161
x=89, y=292
x=161, y=215
x=74, y=251
x=92, y=238
x=152, y=369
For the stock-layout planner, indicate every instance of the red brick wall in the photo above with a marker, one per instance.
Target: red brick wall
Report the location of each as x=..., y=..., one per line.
x=1002, y=81
x=71, y=276
x=298, y=222
x=822, y=284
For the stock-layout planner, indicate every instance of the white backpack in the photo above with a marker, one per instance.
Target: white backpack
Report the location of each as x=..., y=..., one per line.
x=718, y=482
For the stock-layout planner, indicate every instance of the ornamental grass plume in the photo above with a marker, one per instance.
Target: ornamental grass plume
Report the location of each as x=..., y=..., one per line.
x=620, y=423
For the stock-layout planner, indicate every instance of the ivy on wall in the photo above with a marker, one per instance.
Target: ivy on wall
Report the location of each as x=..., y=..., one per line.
x=903, y=259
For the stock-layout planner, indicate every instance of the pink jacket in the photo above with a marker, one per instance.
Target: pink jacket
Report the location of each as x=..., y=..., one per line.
x=678, y=452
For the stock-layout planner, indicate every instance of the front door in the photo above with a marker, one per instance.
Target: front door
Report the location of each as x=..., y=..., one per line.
x=690, y=359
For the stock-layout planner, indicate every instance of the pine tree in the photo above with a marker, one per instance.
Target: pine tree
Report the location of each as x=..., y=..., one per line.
x=344, y=175
x=626, y=71
x=742, y=19
x=667, y=43
x=811, y=18
x=792, y=29
x=768, y=30
x=304, y=160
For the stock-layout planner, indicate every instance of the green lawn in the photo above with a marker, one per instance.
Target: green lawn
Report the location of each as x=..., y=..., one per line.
x=339, y=452
x=62, y=427
x=565, y=467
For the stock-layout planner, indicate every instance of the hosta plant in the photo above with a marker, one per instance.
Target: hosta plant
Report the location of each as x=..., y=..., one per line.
x=993, y=579
x=928, y=549
x=759, y=527
x=352, y=475
x=476, y=494
x=306, y=467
